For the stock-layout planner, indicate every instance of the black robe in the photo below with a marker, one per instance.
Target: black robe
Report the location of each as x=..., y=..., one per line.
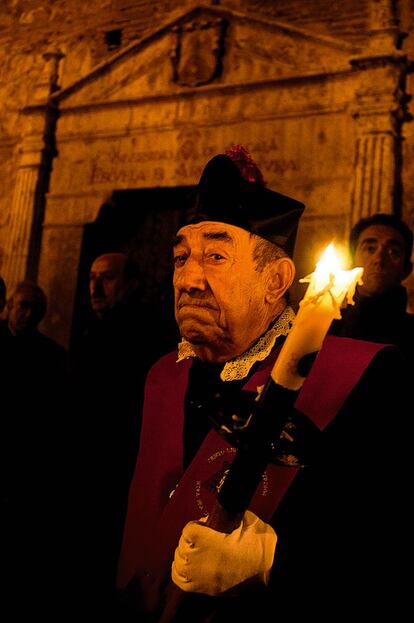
x=382, y=318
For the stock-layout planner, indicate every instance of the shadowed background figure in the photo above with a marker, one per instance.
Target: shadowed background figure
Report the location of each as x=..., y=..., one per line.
x=108, y=368
x=33, y=450
x=382, y=244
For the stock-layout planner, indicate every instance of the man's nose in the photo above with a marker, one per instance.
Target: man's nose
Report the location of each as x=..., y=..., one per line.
x=96, y=288
x=381, y=255
x=191, y=275
x=27, y=313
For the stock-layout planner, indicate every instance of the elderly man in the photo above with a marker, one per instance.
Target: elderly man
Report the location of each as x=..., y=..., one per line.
x=232, y=272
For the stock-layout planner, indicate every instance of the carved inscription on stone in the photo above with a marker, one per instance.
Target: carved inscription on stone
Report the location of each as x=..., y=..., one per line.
x=179, y=164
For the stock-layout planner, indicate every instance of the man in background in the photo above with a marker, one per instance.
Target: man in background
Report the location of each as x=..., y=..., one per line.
x=382, y=244
x=108, y=367
x=33, y=438
x=112, y=278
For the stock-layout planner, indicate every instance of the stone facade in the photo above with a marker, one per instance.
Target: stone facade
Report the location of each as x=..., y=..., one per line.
x=104, y=107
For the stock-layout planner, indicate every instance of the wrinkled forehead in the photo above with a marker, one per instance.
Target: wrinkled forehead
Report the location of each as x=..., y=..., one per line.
x=211, y=230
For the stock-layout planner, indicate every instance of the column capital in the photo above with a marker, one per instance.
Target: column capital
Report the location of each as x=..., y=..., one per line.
x=381, y=101
x=35, y=153
x=49, y=78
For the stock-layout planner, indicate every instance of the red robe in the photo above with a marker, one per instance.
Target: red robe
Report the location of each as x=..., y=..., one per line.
x=156, y=516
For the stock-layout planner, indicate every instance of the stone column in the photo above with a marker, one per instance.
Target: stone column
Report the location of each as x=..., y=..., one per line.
x=36, y=154
x=379, y=111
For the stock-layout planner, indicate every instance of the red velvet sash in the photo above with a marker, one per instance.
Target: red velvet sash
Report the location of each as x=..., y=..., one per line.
x=155, y=520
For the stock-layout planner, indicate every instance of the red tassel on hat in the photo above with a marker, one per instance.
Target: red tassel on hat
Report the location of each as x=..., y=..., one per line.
x=245, y=163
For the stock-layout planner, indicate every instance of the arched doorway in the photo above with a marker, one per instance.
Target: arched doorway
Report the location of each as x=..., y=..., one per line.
x=143, y=223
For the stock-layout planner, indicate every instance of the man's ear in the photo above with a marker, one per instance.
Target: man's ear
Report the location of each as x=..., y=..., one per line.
x=281, y=275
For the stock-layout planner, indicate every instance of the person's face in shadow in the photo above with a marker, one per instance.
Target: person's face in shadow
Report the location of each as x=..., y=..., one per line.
x=381, y=252
x=23, y=312
x=107, y=285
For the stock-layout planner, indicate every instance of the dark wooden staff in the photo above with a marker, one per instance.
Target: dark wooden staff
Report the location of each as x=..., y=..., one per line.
x=264, y=425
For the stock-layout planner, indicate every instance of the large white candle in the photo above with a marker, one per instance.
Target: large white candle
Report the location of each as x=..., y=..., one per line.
x=328, y=286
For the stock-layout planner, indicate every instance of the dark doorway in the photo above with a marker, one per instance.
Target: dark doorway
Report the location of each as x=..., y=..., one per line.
x=143, y=223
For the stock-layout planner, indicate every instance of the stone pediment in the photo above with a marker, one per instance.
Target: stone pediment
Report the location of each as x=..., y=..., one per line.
x=204, y=47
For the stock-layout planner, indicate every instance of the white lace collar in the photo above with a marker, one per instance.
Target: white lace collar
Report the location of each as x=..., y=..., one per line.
x=239, y=367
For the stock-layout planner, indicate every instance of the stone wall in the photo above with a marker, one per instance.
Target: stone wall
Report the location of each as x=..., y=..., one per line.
x=88, y=33
x=108, y=96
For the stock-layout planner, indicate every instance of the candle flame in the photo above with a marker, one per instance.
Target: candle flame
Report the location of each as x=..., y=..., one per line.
x=329, y=262
x=329, y=277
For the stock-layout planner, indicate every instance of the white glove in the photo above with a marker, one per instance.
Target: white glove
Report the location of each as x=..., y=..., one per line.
x=211, y=562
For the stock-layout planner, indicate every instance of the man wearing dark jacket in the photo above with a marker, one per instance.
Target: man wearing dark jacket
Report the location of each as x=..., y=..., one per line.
x=382, y=244
x=33, y=437
x=108, y=367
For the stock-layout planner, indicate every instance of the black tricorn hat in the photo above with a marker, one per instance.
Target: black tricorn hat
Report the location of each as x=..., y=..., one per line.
x=231, y=190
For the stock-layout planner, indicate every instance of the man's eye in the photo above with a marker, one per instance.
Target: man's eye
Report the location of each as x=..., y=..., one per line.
x=395, y=253
x=216, y=256
x=179, y=260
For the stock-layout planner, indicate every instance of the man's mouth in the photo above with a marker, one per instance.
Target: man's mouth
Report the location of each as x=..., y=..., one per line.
x=199, y=304
x=376, y=273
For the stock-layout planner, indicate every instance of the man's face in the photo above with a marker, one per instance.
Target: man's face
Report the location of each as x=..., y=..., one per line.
x=220, y=297
x=23, y=313
x=381, y=252
x=107, y=282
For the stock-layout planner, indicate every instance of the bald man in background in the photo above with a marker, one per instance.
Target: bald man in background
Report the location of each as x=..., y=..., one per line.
x=108, y=369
